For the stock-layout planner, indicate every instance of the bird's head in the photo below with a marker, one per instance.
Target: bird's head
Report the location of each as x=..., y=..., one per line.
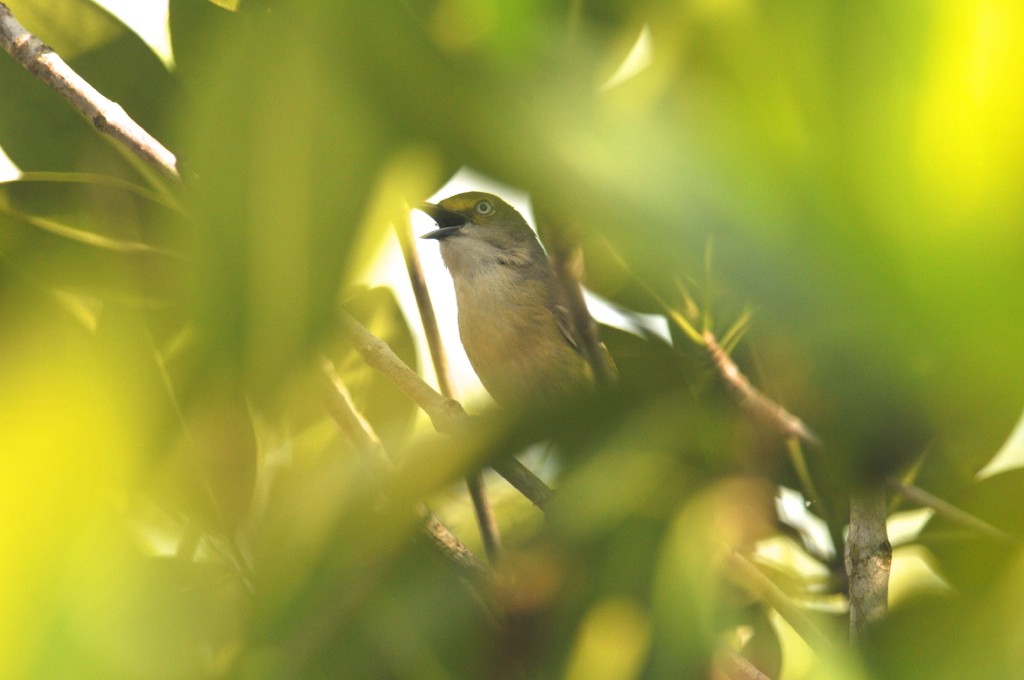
x=477, y=227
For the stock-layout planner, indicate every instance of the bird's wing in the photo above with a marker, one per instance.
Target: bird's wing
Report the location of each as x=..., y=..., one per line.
x=565, y=325
x=611, y=371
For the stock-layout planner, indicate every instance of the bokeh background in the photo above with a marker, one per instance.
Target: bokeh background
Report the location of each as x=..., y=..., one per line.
x=838, y=183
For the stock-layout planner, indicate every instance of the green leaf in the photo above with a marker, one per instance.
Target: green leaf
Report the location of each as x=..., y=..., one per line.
x=969, y=561
x=89, y=235
x=70, y=27
x=288, y=157
x=232, y=5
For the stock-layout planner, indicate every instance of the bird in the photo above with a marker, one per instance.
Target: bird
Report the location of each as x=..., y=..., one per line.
x=513, y=321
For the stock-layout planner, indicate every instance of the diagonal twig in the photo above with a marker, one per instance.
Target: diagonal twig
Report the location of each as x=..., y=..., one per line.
x=737, y=667
x=946, y=509
x=759, y=585
x=360, y=433
x=447, y=415
x=755, y=403
x=107, y=116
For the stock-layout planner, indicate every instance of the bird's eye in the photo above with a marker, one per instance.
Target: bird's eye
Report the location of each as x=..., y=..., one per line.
x=484, y=207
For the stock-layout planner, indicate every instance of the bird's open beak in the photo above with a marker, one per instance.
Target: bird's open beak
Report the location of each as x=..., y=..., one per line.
x=449, y=222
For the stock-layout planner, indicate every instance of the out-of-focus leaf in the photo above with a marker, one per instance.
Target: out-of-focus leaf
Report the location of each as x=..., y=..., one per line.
x=647, y=365
x=218, y=445
x=948, y=637
x=608, y=275
x=192, y=23
x=135, y=279
x=71, y=27
x=410, y=616
x=287, y=156
x=147, y=616
x=100, y=253
x=71, y=428
x=71, y=182
x=972, y=562
x=78, y=236
x=763, y=650
x=115, y=213
x=690, y=587
x=232, y=5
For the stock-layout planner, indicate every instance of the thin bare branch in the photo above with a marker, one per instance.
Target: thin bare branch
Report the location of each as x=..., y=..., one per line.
x=360, y=433
x=486, y=521
x=868, y=553
x=754, y=403
x=524, y=481
x=449, y=545
x=339, y=404
x=447, y=415
x=737, y=667
x=107, y=116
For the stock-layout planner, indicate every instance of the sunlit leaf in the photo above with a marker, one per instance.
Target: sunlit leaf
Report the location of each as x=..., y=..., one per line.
x=232, y=5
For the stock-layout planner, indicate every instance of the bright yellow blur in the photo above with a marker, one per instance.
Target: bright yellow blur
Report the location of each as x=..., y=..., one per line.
x=69, y=436
x=969, y=146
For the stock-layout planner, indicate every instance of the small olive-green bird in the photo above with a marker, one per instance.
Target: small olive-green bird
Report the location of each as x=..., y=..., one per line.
x=512, y=319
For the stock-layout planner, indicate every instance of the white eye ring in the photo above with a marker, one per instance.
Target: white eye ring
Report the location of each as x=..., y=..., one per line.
x=484, y=208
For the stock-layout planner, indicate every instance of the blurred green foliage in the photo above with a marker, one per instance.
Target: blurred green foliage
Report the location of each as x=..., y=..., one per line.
x=176, y=501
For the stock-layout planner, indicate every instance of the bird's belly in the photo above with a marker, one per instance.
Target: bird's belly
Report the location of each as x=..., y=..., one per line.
x=521, y=354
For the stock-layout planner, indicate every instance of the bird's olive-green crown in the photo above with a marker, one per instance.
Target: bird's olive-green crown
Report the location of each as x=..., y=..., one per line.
x=482, y=208
x=476, y=207
x=483, y=218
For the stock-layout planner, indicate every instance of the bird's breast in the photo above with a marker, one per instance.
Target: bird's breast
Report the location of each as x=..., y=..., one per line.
x=513, y=340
